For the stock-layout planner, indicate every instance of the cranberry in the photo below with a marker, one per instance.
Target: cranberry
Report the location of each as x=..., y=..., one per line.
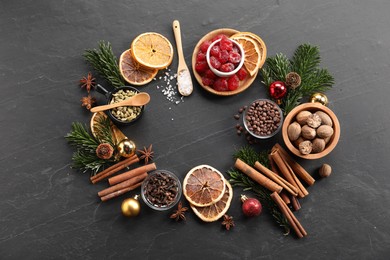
x=234, y=57
x=221, y=84
x=215, y=62
x=223, y=56
x=204, y=46
x=227, y=67
x=201, y=66
x=226, y=44
x=207, y=81
x=233, y=82
x=219, y=36
x=215, y=50
x=241, y=74
x=209, y=74
x=201, y=56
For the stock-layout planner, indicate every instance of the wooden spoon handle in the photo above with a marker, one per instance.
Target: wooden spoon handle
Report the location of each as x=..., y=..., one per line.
x=177, y=33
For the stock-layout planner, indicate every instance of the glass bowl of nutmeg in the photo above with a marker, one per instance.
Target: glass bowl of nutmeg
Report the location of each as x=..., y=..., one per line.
x=311, y=131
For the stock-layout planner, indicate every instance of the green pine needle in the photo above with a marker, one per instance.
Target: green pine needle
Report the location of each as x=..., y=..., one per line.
x=305, y=62
x=104, y=61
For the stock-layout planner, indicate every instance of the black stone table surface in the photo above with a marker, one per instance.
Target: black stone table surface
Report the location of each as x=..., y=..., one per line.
x=48, y=210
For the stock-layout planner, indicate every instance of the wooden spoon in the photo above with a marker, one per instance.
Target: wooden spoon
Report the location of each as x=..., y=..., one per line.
x=137, y=100
x=184, y=82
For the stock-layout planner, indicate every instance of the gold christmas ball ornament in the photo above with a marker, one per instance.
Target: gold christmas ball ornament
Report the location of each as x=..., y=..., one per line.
x=126, y=148
x=319, y=98
x=131, y=207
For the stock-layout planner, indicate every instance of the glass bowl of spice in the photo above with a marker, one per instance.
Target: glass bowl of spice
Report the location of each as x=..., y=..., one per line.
x=125, y=115
x=263, y=118
x=161, y=190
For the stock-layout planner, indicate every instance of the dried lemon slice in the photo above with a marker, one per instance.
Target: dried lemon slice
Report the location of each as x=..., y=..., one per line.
x=152, y=50
x=252, y=53
x=218, y=209
x=133, y=72
x=260, y=44
x=203, y=186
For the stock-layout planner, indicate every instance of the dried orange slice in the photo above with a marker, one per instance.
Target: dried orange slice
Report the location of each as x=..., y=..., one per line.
x=218, y=209
x=203, y=186
x=133, y=72
x=252, y=53
x=260, y=44
x=152, y=50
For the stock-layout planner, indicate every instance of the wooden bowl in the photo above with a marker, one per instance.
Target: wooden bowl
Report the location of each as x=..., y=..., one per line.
x=312, y=107
x=243, y=84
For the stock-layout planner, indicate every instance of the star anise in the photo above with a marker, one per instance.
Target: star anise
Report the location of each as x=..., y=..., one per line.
x=88, y=101
x=146, y=154
x=88, y=82
x=179, y=214
x=228, y=221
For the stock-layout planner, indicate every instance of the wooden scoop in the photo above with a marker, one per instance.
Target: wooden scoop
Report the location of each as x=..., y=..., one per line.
x=184, y=82
x=137, y=100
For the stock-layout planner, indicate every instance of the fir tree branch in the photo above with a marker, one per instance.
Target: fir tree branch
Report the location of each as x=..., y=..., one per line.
x=305, y=62
x=80, y=138
x=104, y=61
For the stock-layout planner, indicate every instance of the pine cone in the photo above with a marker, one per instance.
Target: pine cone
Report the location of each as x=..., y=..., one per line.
x=293, y=80
x=104, y=151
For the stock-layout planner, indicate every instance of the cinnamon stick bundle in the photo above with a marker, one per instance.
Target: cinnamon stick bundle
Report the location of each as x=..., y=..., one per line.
x=298, y=169
x=132, y=173
x=123, y=185
x=120, y=192
x=114, y=169
x=292, y=220
x=275, y=169
x=257, y=176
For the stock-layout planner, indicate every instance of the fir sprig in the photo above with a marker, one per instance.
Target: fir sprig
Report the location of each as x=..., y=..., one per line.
x=305, y=62
x=105, y=62
x=85, y=158
x=238, y=179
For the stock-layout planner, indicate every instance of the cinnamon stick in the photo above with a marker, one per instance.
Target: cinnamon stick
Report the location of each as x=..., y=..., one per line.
x=257, y=176
x=114, y=168
x=286, y=172
x=297, y=181
x=120, y=192
x=275, y=169
x=298, y=169
x=292, y=220
x=295, y=203
x=132, y=173
x=123, y=185
x=279, y=180
x=285, y=197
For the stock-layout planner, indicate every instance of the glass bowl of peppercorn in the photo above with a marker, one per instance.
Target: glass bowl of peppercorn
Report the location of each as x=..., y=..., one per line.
x=161, y=190
x=263, y=118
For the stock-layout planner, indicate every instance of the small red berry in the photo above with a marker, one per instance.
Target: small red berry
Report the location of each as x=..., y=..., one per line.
x=215, y=62
x=209, y=74
x=220, y=84
x=233, y=82
x=242, y=74
x=201, y=66
x=227, y=67
x=207, y=81
x=234, y=57
x=223, y=56
x=215, y=50
x=201, y=56
x=226, y=44
x=204, y=46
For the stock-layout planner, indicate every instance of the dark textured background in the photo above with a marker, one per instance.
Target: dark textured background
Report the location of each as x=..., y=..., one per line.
x=48, y=210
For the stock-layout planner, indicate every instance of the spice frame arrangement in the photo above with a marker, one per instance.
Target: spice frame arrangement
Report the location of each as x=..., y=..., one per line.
x=275, y=179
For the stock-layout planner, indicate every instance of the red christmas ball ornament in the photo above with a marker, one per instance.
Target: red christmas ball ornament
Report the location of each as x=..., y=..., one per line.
x=277, y=90
x=251, y=207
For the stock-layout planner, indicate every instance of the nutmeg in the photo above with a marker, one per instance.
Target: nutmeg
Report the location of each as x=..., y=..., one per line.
x=294, y=131
x=313, y=121
x=318, y=145
x=305, y=147
x=325, y=118
x=308, y=133
x=324, y=131
x=298, y=141
x=325, y=170
x=302, y=117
